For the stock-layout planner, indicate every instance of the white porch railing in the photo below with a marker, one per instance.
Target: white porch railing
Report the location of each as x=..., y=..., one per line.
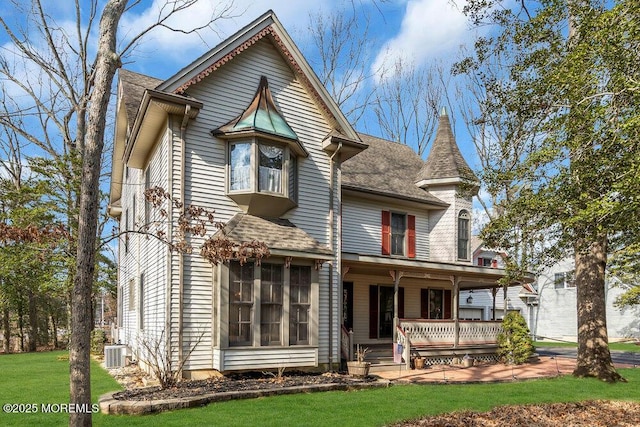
x=444, y=333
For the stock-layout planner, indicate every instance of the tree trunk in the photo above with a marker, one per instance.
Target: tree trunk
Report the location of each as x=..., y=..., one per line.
x=107, y=63
x=594, y=357
x=21, y=327
x=32, y=344
x=6, y=330
x=54, y=330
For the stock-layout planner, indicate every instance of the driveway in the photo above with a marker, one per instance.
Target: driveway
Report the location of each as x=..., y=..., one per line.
x=618, y=357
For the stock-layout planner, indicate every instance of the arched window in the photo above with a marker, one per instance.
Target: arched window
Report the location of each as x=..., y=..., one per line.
x=463, y=235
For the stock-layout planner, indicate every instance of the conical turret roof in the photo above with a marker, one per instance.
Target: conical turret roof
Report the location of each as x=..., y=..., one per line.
x=445, y=163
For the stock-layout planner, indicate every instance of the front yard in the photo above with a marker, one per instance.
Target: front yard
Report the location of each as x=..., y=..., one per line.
x=41, y=378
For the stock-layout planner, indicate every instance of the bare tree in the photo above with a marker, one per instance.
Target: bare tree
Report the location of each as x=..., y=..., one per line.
x=66, y=75
x=342, y=43
x=407, y=101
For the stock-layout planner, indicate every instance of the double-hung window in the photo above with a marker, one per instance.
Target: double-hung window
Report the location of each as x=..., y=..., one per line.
x=240, y=303
x=300, y=304
x=463, y=235
x=398, y=234
x=271, y=283
x=563, y=280
x=398, y=228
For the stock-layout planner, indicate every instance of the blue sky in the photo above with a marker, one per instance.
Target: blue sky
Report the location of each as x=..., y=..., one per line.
x=421, y=30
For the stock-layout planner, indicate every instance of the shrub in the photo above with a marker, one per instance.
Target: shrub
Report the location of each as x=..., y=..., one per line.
x=514, y=343
x=98, y=338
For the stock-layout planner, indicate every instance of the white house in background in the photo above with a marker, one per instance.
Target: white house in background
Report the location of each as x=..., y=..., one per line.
x=549, y=305
x=364, y=235
x=489, y=304
x=556, y=314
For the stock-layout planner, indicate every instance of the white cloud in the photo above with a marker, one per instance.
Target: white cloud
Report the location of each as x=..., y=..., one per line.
x=177, y=46
x=430, y=29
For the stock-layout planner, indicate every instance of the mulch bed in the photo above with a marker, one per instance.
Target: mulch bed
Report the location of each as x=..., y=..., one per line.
x=237, y=382
x=598, y=413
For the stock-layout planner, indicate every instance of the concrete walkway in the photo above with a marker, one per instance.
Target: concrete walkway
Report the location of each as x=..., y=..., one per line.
x=543, y=368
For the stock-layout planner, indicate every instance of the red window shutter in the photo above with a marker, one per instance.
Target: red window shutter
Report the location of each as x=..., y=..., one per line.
x=481, y=262
x=386, y=233
x=411, y=236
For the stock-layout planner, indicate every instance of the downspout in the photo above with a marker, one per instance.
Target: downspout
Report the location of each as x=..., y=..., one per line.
x=337, y=256
x=183, y=128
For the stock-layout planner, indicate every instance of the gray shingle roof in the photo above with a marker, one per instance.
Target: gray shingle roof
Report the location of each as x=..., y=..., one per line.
x=386, y=168
x=445, y=159
x=133, y=87
x=277, y=234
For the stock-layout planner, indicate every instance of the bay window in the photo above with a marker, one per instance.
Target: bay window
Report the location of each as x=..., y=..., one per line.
x=262, y=177
x=270, y=304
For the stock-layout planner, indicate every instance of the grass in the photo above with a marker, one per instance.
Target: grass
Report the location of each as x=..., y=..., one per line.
x=618, y=346
x=41, y=378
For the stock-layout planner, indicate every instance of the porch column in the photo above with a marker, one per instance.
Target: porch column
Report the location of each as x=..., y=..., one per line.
x=505, y=300
x=494, y=292
x=456, y=298
x=395, y=275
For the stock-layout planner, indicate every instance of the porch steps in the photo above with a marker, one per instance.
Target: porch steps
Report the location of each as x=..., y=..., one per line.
x=381, y=358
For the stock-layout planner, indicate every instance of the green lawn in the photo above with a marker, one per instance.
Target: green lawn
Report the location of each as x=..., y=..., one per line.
x=41, y=378
x=619, y=346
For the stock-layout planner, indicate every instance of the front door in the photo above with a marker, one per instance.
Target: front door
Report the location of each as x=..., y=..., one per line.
x=381, y=310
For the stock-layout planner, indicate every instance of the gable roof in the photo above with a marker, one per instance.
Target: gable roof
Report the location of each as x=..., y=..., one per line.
x=388, y=169
x=445, y=163
x=280, y=235
x=133, y=87
x=266, y=26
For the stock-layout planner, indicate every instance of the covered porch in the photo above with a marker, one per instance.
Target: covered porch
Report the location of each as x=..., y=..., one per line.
x=416, y=304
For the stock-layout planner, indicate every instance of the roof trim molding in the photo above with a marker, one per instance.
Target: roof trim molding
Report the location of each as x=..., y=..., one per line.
x=269, y=26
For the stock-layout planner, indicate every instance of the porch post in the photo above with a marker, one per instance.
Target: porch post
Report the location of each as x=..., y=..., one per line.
x=456, y=298
x=494, y=292
x=395, y=274
x=505, y=290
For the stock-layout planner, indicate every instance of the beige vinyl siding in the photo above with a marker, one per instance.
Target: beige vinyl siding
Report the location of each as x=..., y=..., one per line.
x=265, y=358
x=128, y=261
x=153, y=253
x=146, y=255
x=361, y=285
x=444, y=225
x=361, y=227
x=226, y=93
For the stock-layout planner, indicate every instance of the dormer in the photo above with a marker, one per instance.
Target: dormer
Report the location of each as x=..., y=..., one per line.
x=262, y=157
